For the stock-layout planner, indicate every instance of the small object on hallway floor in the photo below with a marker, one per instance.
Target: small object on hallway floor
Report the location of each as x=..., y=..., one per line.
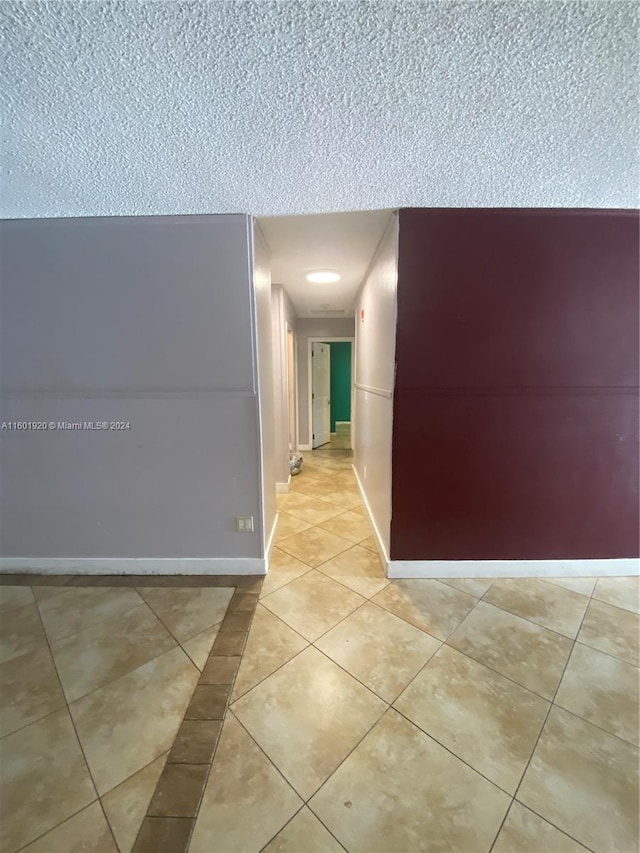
x=295, y=463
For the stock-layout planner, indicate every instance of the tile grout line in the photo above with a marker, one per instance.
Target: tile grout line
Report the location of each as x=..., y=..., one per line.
x=535, y=746
x=287, y=782
x=248, y=584
x=75, y=731
x=530, y=621
x=550, y=702
x=247, y=594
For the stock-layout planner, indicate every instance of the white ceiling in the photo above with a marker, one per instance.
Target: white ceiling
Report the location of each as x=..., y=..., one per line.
x=309, y=106
x=344, y=242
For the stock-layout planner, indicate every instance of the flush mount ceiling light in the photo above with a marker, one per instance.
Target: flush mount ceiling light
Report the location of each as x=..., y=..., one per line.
x=323, y=276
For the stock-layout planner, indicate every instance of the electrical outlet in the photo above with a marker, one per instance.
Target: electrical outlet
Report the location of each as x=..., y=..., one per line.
x=244, y=524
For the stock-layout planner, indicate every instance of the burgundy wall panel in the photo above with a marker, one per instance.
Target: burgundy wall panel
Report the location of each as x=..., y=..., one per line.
x=516, y=402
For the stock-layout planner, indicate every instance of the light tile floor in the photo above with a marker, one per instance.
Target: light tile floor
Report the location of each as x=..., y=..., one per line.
x=468, y=715
x=368, y=716
x=94, y=683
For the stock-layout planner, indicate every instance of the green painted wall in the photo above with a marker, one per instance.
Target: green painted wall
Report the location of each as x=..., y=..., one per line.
x=340, y=382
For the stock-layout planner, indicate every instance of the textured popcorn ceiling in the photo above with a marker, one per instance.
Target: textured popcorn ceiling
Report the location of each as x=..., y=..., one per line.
x=297, y=107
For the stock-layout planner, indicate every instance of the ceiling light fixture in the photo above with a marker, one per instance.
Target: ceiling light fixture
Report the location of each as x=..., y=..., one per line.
x=323, y=276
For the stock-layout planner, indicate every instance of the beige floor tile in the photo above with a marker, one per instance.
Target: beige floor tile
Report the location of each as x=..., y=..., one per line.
x=133, y=720
x=603, y=690
x=346, y=498
x=126, y=805
x=43, y=780
x=312, y=604
x=315, y=488
x=369, y=543
x=526, y=653
x=92, y=658
x=29, y=690
x=271, y=644
x=360, y=510
x=525, y=832
x=188, y=612
x=349, y=525
x=309, y=509
x=474, y=586
x=304, y=834
x=13, y=597
x=401, y=791
x=41, y=593
x=283, y=568
x=343, y=481
x=483, y=718
x=430, y=605
x=359, y=569
x=20, y=631
x=246, y=801
x=83, y=607
x=621, y=592
x=585, y=782
x=85, y=832
x=307, y=717
x=314, y=546
x=546, y=604
x=311, y=470
x=584, y=586
x=198, y=647
x=288, y=525
x=379, y=649
x=612, y=630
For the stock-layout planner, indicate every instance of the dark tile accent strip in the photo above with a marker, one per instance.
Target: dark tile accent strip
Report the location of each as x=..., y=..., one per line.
x=179, y=790
x=245, y=583
x=196, y=742
x=229, y=643
x=166, y=834
x=209, y=702
x=220, y=670
x=174, y=806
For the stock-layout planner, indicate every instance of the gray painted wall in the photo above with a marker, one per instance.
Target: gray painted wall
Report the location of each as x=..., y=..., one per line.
x=332, y=327
x=374, y=381
x=144, y=320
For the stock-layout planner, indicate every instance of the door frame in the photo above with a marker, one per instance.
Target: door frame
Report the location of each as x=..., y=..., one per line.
x=316, y=339
x=291, y=371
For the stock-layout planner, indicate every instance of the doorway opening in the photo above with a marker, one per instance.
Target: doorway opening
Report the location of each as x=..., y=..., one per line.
x=331, y=363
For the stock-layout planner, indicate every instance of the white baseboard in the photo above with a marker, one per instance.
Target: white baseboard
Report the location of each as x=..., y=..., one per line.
x=305, y=447
x=511, y=568
x=283, y=488
x=271, y=542
x=376, y=533
x=135, y=565
x=343, y=423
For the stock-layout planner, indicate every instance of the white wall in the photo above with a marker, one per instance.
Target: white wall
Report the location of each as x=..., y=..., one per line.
x=262, y=290
x=374, y=380
x=331, y=327
x=144, y=320
x=283, y=316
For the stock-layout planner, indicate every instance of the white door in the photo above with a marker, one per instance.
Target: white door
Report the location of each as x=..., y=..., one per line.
x=320, y=393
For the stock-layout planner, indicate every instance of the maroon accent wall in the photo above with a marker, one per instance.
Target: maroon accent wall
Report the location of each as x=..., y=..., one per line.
x=515, y=432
